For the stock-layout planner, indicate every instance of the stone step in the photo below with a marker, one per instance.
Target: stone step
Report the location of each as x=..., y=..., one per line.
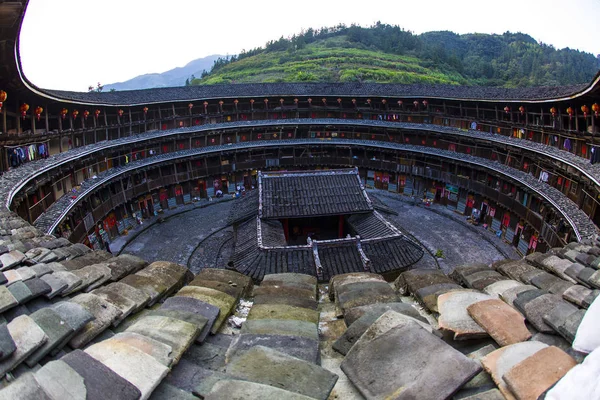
x=266, y=366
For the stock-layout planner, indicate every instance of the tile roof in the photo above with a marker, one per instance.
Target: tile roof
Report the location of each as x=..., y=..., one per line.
x=249, y=90
x=312, y=194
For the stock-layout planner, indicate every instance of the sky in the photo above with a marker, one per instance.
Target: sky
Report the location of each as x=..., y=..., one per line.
x=72, y=44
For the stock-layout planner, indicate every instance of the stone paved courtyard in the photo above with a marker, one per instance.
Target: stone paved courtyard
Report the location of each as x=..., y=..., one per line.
x=200, y=239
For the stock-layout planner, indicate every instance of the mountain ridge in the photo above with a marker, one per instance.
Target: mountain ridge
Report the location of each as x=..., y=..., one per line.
x=173, y=77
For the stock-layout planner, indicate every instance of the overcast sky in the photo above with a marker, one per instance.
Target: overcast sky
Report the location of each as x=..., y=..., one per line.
x=71, y=44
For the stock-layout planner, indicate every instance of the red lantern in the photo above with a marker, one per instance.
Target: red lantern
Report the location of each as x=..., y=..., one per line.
x=75, y=114
x=522, y=109
x=251, y=102
x=190, y=106
x=97, y=113
x=86, y=114
x=24, y=108
x=425, y=103
x=63, y=113
x=3, y=97
x=507, y=109
x=205, y=104
x=383, y=101
x=235, y=102
x=570, y=112
x=145, y=109
x=266, y=101
x=585, y=110
x=595, y=108
x=120, y=112
x=553, y=111
x=339, y=101
x=416, y=104
x=38, y=112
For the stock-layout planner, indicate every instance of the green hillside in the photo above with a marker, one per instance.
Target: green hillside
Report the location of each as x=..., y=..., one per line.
x=388, y=54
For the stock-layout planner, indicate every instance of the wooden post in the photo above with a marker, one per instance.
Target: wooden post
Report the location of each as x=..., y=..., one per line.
x=286, y=229
x=46, y=118
x=4, y=120
x=341, y=227
x=18, y=115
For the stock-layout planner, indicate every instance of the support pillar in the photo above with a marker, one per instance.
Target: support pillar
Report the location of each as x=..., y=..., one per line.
x=341, y=227
x=286, y=229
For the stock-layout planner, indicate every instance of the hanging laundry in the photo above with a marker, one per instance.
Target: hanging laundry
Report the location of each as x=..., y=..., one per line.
x=31, y=152
x=21, y=154
x=42, y=150
x=567, y=144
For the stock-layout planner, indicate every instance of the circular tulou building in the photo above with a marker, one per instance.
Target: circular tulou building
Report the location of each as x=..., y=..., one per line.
x=306, y=281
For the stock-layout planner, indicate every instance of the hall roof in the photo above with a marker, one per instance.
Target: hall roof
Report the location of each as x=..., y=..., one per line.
x=311, y=194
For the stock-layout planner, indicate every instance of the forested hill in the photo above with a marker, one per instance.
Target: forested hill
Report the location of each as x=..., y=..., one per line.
x=389, y=54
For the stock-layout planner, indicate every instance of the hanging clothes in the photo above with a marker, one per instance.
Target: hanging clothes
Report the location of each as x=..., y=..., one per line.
x=567, y=144
x=543, y=176
x=21, y=154
x=42, y=150
x=31, y=152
